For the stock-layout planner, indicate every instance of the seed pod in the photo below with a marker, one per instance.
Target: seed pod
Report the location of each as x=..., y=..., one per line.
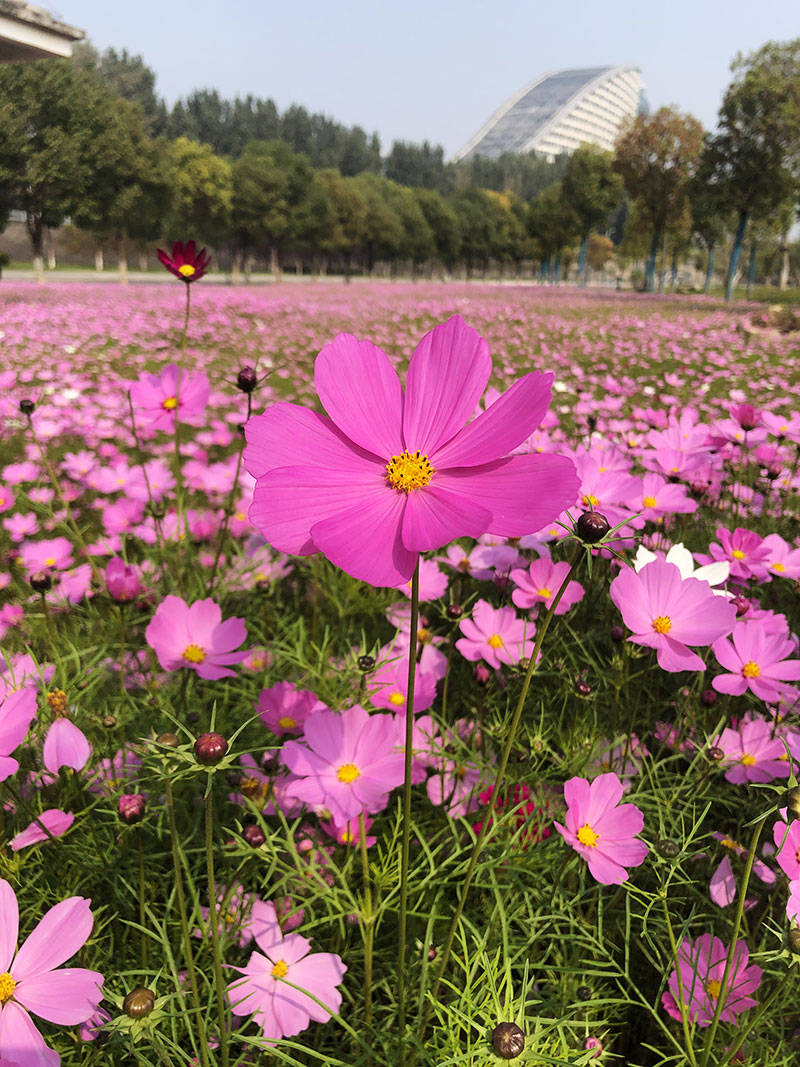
x=139, y=1002
x=210, y=748
x=109, y=721
x=592, y=527
x=508, y=1041
x=168, y=740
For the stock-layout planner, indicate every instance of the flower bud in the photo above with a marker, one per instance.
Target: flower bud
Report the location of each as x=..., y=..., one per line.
x=481, y=673
x=40, y=581
x=716, y=754
x=582, y=687
x=109, y=721
x=793, y=802
x=508, y=1041
x=583, y=992
x=708, y=698
x=592, y=527
x=246, y=380
x=454, y=611
x=168, y=740
x=366, y=663
x=210, y=748
x=26, y=406
x=131, y=807
x=667, y=848
x=139, y=1002
x=617, y=634
x=794, y=939
x=742, y=605
x=254, y=835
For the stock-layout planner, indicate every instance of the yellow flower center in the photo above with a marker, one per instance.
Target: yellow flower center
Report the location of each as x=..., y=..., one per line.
x=748, y=760
x=57, y=699
x=194, y=654
x=187, y=270
x=779, y=567
x=170, y=403
x=423, y=635
x=495, y=641
x=252, y=788
x=544, y=592
x=713, y=987
x=50, y=561
x=662, y=624
x=7, y=987
x=751, y=670
x=587, y=836
x=397, y=698
x=409, y=470
x=590, y=498
x=460, y=771
x=348, y=772
x=737, y=553
x=280, y=970
x=286, y=722
x=649, y=501
x=728, y=842
x=346, y=837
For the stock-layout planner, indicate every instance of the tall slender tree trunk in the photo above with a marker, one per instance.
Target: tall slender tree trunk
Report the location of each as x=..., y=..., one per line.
x=236, y=268
x=783, y=282
x=99, y=261
x=51, y=250
x=735, y=253
x=33, y=224
x=751, y=270
x=710, y=268
x=662, y=275
x=122, y=260
x=650, y=268
x=583, y=270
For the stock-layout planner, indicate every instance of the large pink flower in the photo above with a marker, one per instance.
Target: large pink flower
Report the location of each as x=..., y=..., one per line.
x=194, y=636
x=17, y=712
x=600, y=829
x=667, y=612
x=756, y=660
x=389, y=474
x=702, y=967
x=29, y=981
x=264, y=990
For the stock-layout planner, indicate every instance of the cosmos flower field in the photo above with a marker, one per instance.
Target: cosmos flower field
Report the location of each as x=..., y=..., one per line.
x=397, y=674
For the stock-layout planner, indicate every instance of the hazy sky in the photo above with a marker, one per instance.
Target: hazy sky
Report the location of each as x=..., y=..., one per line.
x=430, y=69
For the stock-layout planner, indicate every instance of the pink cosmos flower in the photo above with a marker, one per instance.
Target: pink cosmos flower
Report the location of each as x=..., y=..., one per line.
x=17, y=712
x=702, y=966
x=753, y=753
x=284, y=708
x=53, y=554
x=387, y=685
x=346, y=762
x=159, y=399
x=390, y=475
x=49, y=824
x=279, y=1009
x=602, y=831
x=456, y=786
x=195, y=636
x=30, y=982
x=787, y=841
x=744, y=550
x=122, y=580
x=722, y=887
x=540, y=583
x=756, y=661
x=65, y=746
x=783, y=560
x=495, y=635
x=667, y=613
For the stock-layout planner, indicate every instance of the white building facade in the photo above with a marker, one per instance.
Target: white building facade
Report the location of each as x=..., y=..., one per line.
x=560, y=111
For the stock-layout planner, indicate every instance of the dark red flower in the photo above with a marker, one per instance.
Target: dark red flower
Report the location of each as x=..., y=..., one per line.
x=185, y=263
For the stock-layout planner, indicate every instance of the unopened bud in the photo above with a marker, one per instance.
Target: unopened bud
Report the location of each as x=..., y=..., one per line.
x=366, y=663
x=508, y=1041
x=742, y=605
x=617, y=634
x=582, y=687
x=454, y=611
x=667, y=848
x=583, y=992
x=793, y=802
x=592, y=527
x=481, y=673
x=139, y=1002
x=168, y=740
x=210, y=748
x=254, y=835
x=716, y=754
x=131, y=807
x=708, y=698
x=109, y=721
x=40, y=581
x=246, y=380
x=794, y=939
x=26, y=406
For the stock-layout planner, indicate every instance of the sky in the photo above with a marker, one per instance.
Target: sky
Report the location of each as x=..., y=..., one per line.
x=432, y=70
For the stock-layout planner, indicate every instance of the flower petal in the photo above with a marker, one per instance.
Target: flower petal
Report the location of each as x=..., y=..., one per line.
x=68, y=996
x=365, y=540
x=57, y=936
x=20, y=1041
x=447, y=374
x=9, y=925
x=434, y=517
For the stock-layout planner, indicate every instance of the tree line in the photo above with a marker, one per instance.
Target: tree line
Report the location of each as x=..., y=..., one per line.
x=89, y=140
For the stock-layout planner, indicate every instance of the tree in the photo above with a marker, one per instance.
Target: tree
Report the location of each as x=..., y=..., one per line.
x=129, y=77
x=350, y=213
x=420, y=166
x=443, y=223
x=51, y=114
x=202, y=192
x=753, y=162
x=656, y=155
x=477, y=221
x=553, y=224
x=383, y=233
x=593, y=190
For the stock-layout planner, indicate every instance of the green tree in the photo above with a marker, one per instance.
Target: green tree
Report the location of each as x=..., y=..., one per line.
x=128, y=76
x=420, y=166
x=656, y=155
x=477, y=221
x=383, y=234
x=443, y=223
x=350, y=212
x=593, y=190
x=753, y=161
x=553, y=224
x=202, y=192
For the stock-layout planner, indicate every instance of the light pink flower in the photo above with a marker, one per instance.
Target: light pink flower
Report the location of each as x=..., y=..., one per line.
x=744, y=550
x=390, y=475
x=756, y=661
x=17, y=712
x=280, y=1010
x=53, y=554
x=49, y=824
x=284, y=708
x=753, y=753
x=157, y=399
x=195, y=636
x=495, y=635
x=668, y=613
x=702, y=966
x=540, y=583
x=65, y=746
x=30, y=982
x=601, y=830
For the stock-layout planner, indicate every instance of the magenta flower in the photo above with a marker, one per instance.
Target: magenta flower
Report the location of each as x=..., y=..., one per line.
x=30, y=982
x=53, y=554
x=194, y=636
x=47, y=825
x=601, y=830
x=753, y=753
x=122, y=580
x=756, y=660
x=159, y=399
x=17, y=712
x=668, y=613
x=280, y=1010
x=389, y=474
x=65, y=746
x=185, y=262
x=787, y=841
x=495, y=635
x=702, y=966
x=784, y=561
x=744, y=550
x=284, y=708
x=540, y=583
x=346, y=762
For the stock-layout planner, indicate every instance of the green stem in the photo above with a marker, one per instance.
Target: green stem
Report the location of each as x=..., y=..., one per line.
x=501, y=770
x=187, y=941
x=226, y=518
x=143, y=935
x=181, y=380
x=751, y=855
x=687, y=1036
x=406, y=833
x=368, y=919
x=214, y=924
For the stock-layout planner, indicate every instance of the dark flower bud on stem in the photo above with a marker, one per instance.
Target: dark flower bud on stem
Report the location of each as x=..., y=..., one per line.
x=582, y=687
x=667, y=848
x=26, y=406
x=254, y=836
x=366, y=663
x=454, y=611
x=583, y=992
x=210, y=748
x=742, y=605
x=139, y=1003
x=508, y=1041
x=246, y=380
x=40, y=581
x=794, y=939
x=708, y=698
x=131, y=807
x=592, y=527
x=168, y=740
x=716, y=754
x=617, y=633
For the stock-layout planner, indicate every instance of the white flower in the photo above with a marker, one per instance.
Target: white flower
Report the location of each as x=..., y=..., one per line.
x=713, y=573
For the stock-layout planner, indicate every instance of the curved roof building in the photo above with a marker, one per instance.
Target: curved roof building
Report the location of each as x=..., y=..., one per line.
x=558, y=112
